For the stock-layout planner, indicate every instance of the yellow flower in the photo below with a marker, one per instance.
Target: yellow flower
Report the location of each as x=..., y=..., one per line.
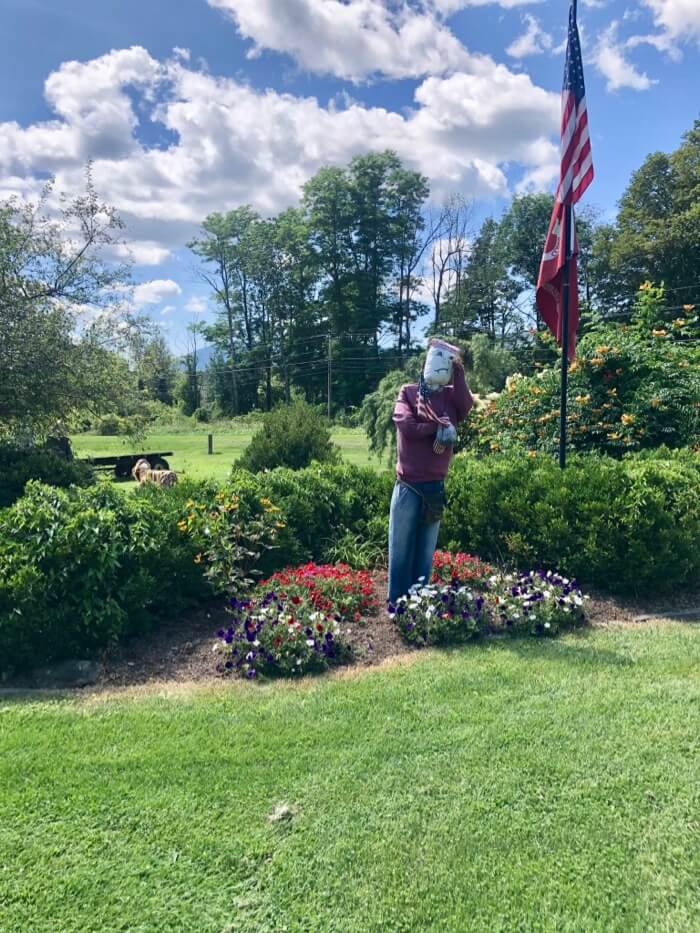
x=645, y=287
x=182, y=525
x=265, y=502
x=679, y=322
x=627, y=419
x=532, y=453
x=198, y=559
x=603, y=348
x=659, y=333
x=280, y=525
x=614, y=436
x=688, y=307
x=655, y=402
x=597, y=360
x=189, y=504
x=573, y=366
x=583, y=398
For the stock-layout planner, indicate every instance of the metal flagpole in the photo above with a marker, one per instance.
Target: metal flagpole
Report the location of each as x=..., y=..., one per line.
x=569, y=248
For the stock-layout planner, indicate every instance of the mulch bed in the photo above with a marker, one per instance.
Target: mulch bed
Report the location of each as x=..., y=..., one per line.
x=182, y=650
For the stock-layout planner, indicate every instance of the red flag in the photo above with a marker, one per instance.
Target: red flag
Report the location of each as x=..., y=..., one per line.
x=576, y=174
x=550, y=282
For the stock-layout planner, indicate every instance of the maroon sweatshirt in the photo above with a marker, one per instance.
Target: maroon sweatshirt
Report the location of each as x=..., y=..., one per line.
x=417, y=461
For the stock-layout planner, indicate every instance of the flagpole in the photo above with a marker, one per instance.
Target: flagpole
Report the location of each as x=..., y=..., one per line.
x=568, y=233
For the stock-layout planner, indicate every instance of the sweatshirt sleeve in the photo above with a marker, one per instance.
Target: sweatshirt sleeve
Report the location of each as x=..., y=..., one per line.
x=461, y=396
x=406, y=421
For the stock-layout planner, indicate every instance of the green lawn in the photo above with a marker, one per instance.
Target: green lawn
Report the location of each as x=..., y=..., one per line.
x=513, y=785
x=190, y=450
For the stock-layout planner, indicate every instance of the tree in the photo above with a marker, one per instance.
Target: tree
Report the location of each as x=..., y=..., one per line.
x=450, y=250
x=155, y=368
x=190, y=387
x=484, y=301
x=61, y=315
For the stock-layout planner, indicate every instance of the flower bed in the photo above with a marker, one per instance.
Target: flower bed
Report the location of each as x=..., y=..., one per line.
x=535, y=603
x=464, y=568
x=270, y=636
x=538, y=603
x=330, y=588
x=440, y=614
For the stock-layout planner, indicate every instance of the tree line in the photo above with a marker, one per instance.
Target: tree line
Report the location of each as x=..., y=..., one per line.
x=348, y=280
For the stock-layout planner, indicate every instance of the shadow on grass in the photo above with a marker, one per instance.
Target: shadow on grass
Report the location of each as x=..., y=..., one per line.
x=577, y=649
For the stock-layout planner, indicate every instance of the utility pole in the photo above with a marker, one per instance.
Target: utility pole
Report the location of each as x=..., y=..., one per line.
x=330, y=374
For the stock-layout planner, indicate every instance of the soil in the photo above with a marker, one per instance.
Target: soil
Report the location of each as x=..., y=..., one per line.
x=182, y=650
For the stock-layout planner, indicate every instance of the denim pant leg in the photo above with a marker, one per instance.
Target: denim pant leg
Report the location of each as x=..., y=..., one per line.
x=426, y=541
x=403, y=530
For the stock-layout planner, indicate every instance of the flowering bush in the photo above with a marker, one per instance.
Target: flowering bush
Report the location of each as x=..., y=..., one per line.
x=330, y=588
x=231, y=536
x=436, y=615
x=538, y=603
x=461, y=567
x=270, y=636
x=632, y=387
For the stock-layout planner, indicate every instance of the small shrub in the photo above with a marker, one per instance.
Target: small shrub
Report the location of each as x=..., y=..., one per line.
x=290, y=436
x=268, y=636
x=109, y=426
x=19, y=465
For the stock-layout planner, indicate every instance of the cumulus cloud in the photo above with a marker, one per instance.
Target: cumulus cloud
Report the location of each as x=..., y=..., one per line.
x=233, y=144
x=533, y=41
x=679, y=19
x=609, y=59
x=351, y=40
x=196, y=305
x=154, y=292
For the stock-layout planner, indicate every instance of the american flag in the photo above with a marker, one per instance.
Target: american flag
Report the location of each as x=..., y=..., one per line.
x=576, y=174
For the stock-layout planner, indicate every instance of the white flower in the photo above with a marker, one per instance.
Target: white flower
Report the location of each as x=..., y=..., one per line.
x=298, y=662
x=256, y=643
x=310, y=642
x=578, y=601
x=547, y=625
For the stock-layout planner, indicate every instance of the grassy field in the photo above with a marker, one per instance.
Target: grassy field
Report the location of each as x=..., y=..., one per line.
x=512, y=785
x=190, y=450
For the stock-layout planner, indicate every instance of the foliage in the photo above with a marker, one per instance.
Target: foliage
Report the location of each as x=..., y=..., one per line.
x=334, y=589
x=19, y=465
x=631, y=387
x=492, y=363
x=439, y=615
x=378, y=408
x=290, y=436
x=361, y=549
x=232, y=537
x=629, y=526
x=464, y=568
x=84, y=568
x=49, y=275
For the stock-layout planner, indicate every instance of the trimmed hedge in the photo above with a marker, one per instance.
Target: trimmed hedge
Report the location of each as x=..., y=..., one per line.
x=629, y=526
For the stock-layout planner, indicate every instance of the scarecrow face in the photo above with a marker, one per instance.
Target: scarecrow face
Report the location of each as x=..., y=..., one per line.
x=438, y=364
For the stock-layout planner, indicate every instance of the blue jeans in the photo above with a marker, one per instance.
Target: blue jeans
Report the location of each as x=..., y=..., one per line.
x=411, y=544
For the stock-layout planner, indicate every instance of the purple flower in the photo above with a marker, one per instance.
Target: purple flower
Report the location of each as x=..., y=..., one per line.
x=228, y=665
x=400, y=610
x=251, y=673
x=221, y=633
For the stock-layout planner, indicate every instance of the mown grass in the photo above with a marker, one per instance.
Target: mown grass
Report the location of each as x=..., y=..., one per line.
x=515, y=785
x=190, y=450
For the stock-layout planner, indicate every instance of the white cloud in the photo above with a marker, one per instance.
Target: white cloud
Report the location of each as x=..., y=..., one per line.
x=196, y=305
x=234, y=145
x=610, y=61
x=154, y=292
x=533, y=41
x=679, y=19
x=446, y=7
x=352, y=40
x=168, y=309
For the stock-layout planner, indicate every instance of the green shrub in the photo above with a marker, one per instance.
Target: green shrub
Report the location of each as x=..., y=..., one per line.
x=18, y=465
x=109, y=426
x=82, y=569
x=630, y=525
x=290, y=436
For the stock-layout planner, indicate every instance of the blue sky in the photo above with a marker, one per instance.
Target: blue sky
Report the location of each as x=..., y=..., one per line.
x=199, y=105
